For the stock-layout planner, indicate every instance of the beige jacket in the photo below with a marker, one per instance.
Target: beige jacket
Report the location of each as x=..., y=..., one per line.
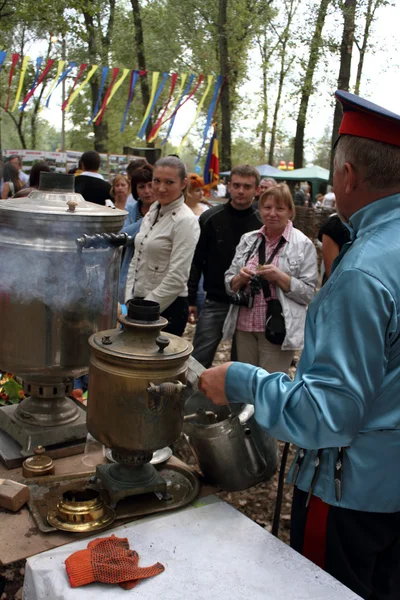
x=164, y=248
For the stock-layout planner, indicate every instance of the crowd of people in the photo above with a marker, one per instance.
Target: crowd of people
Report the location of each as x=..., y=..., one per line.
x=240, y=270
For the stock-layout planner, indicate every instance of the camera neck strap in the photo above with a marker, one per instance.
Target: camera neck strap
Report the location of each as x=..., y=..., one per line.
x=261, y=259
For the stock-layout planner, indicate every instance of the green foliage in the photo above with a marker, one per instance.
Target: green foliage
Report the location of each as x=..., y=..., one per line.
x=322, y=150
x=245, y=151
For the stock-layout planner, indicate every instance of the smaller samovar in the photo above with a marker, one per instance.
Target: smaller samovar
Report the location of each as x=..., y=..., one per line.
x=136, y=382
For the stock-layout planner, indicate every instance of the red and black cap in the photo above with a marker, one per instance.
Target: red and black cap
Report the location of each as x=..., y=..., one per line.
x=365, y=119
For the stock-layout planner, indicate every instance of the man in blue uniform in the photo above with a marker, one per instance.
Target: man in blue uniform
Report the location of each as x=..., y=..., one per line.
x=343, y=408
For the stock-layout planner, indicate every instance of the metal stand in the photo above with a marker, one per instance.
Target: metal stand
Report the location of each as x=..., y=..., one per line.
x=29, y=436
x=122, y=481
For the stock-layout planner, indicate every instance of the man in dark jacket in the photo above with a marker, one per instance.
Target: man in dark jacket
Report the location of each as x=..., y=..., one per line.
x=90, y=182
x=221, y=229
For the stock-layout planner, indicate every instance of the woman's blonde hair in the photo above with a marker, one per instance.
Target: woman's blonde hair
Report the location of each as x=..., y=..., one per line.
x=282, y=195
x=118, y=178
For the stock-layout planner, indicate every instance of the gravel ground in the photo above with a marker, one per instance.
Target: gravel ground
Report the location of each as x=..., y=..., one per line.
x=257, y=503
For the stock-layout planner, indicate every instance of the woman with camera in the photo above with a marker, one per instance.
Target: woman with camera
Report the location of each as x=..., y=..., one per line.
x=271, y=281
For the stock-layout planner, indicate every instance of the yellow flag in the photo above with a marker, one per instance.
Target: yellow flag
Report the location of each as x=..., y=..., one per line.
x=200, y=106
x=92, y=71
x=25, y=61
x=154, y=82
x=60, y=68
x=116, y=86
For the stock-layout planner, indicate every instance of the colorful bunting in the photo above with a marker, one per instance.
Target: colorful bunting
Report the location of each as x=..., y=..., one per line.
x=25, y=61
x=154, y=81
x=178, y=97
x=47, y=68
x=118, y=85
x=154, y=131
x=142, y=130
x=210, y=114
x=189, y=97
x=3, y=55
x=104, y=73
x=134, y=78
x=100, y=114
x=39, y=61
x=79, y=75
x=14, y=62
x=58, y=78
x=73, y=95
x=200, y=106
x=179, y=103
x=132, y=83
x=168, y=111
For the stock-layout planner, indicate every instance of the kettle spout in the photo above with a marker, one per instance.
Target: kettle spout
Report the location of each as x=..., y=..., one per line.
x=255, y=463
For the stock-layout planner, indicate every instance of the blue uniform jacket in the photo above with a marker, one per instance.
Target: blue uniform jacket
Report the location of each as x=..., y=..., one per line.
x=347, y=387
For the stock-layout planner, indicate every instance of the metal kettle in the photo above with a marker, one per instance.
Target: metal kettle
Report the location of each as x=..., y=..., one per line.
x=231, y=449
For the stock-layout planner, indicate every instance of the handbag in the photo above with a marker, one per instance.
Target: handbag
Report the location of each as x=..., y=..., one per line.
x=275, y=328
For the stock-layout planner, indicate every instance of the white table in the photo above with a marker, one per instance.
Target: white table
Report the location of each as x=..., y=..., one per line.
x=209, y=552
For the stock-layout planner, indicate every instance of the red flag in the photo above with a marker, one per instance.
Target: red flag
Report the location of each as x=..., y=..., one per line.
x=80, y=73
x=47, y=68
x=192, y=93
x=157, y=126
x=115, y=72
x=14, y=61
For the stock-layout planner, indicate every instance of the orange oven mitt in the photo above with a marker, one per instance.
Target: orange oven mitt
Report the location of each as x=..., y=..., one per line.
x=108, y=560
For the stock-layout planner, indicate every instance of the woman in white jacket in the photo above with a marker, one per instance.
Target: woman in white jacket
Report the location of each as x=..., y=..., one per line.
x=164, y=246
x=292, y=277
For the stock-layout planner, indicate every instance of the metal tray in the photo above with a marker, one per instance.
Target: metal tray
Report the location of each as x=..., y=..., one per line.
x=182, y=485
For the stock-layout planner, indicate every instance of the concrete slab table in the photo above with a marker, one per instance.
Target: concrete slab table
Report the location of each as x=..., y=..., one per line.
x=209, y=552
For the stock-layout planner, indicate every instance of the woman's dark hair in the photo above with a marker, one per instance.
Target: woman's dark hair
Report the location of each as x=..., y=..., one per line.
x=173, y=163
x=34, y=177
x=142, y=175
x=11, y=174
x=136, y=163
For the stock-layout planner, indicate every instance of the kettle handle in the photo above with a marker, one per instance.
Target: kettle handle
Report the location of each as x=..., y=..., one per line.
x=102, y=240
x=159, y=394
x=246, y=413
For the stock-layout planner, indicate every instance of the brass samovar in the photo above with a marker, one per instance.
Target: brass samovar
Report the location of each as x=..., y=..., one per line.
x=137, y=378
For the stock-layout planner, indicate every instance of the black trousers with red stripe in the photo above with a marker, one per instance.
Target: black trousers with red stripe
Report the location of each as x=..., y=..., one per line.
x=360, y=549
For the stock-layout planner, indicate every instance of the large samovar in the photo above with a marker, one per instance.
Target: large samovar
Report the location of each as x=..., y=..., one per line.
x=137, y=377
x=59, y=274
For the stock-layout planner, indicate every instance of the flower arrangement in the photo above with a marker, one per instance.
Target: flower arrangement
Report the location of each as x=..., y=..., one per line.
x=11, y=391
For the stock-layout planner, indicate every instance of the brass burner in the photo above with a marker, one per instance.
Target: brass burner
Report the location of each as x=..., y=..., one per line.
x=81, y=511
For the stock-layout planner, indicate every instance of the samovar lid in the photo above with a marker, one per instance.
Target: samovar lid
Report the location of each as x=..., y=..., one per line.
x=56, y=199
x=141, y=338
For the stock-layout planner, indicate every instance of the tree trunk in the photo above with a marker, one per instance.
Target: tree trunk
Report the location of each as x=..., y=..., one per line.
x=369, y=17
x=262, y=44
x=141, y=59
x=346, y=49
x=101, y=130
x=18, y=125
x=264, y=121
x=307, y=86
x=282, y=75
x=226, y=140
